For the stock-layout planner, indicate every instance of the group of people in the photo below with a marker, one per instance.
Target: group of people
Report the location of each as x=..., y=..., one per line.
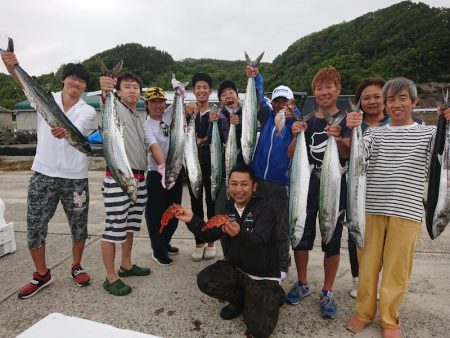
x=255, y=241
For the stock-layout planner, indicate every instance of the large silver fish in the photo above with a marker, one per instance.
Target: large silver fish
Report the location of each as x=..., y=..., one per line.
x=356, y=187
x=330, y=185
x=438, y=202
x=113, y=143
x=215, y=148
x=231, y=148
x=175, y=156
x=45, y=105
x=250, y=115
x=298, y=189
x=192, y=162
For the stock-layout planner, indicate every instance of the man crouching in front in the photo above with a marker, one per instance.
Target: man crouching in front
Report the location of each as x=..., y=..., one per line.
x=250, y=270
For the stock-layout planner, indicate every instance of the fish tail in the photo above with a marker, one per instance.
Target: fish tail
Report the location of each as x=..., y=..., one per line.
x=107, y=72
x=10, y=46
x=255, y=62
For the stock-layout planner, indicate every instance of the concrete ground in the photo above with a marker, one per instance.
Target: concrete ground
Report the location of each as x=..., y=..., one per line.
x=168, y=303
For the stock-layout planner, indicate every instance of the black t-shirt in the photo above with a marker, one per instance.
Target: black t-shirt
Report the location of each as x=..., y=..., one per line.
x=316, y=138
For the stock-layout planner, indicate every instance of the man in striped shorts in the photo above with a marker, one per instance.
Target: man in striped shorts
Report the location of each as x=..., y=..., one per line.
x=398, y=161
x=123, y=217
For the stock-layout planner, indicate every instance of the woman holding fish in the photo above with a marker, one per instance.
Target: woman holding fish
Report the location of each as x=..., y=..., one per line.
x=394, y=208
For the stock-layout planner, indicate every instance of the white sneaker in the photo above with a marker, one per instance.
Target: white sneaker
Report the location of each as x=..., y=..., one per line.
x=198, y=253
x=354, y=290
x=210, y=252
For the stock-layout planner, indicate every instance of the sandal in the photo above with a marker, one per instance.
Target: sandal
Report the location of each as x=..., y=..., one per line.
x=134, y=271
x=117, y=288
x=355, y=325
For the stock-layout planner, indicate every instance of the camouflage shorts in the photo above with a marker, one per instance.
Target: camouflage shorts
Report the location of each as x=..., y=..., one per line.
x=261, y=298
x=44, y=194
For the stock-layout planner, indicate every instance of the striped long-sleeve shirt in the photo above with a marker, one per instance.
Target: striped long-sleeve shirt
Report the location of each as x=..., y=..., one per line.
x=398, y=166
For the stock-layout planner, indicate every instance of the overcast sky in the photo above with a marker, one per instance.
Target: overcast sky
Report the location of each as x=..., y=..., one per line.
x=48, y=33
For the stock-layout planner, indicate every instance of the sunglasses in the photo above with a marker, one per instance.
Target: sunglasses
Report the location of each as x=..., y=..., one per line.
x=165, y=128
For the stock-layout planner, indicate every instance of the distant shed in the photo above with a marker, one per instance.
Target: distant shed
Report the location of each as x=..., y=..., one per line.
x=6, y=118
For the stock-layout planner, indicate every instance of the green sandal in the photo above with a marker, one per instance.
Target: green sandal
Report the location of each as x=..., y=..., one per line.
x=117, y=288
x=134, y=271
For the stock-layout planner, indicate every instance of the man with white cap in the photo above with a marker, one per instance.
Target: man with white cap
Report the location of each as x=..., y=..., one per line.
x=270, y=160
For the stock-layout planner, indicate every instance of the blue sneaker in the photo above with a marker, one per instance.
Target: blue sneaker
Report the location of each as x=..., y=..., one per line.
x=297, y=292
x=328, y=305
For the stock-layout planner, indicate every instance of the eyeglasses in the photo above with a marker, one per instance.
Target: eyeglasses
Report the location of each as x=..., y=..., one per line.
x=165, y=128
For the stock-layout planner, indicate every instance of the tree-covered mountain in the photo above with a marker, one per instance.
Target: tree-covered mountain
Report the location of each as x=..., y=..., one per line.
x=406, y=39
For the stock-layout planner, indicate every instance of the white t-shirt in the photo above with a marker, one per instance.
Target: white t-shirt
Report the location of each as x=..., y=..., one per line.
x=56, y=157
x=154, y=134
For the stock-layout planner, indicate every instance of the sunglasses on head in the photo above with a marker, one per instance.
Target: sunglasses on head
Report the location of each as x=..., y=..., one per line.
x=165, y=128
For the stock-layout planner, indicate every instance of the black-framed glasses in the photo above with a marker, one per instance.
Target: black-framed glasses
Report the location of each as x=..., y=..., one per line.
x=165, y=128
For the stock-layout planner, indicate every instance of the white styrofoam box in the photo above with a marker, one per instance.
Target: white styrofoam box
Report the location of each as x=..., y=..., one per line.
x=57, y=325
x=7, y=239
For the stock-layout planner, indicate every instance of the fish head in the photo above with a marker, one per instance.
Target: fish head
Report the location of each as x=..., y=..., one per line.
x=132, y=190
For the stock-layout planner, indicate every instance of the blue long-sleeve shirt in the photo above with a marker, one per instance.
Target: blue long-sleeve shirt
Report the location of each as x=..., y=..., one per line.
x=271, y=161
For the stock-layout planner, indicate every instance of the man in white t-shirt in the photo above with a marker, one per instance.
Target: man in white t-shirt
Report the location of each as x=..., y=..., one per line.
x=156, y=131
x=60, y=174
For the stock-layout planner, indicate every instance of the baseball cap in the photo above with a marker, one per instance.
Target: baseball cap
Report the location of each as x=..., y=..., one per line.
x=154, y=93
x=282, y=91
x=225, y=85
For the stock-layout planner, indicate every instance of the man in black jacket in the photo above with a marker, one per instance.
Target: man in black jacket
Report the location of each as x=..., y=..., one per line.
x=251, y=269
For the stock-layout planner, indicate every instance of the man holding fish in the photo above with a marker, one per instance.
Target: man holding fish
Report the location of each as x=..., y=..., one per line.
x=123, y=215
x=328, y=144
x=398, y=160
x=270, y=161
x=60, y=170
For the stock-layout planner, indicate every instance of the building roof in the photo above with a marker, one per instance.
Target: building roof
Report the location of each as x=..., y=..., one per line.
x=4, y=110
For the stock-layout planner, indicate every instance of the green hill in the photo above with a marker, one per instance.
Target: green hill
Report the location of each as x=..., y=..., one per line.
x=406, y=39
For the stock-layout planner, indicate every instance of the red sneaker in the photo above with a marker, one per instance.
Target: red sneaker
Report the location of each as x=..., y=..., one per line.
x=35, y=285
x=80, y=277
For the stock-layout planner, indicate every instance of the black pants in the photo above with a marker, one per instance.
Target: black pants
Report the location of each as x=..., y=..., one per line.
x=159, y=199
x=197, y=204
x=260, y=298
x=277, y=195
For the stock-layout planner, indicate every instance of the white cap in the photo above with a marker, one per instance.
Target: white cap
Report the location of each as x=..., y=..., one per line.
x=282, y=91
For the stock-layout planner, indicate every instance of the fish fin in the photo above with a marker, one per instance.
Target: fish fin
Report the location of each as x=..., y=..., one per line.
x=339, y=119
x=307, y=116
x=327, y=116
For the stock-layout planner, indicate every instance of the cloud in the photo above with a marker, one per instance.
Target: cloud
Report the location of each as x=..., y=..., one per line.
x=48, y=33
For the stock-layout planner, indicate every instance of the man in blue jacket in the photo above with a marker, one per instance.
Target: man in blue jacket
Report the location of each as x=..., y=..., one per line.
x=270, y=160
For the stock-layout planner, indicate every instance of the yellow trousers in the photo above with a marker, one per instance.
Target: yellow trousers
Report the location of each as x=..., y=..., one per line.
x=389, y=242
